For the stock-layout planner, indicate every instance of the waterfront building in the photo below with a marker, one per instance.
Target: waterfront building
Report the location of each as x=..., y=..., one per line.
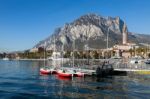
x=122, y=50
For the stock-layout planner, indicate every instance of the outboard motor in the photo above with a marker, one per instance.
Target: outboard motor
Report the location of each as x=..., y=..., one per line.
x=98, y=72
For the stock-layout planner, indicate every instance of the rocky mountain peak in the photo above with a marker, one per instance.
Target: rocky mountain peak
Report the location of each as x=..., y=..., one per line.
x=89, y=28
x=89, y=19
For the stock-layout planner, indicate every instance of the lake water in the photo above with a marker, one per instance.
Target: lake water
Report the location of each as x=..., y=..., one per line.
x=21, y=80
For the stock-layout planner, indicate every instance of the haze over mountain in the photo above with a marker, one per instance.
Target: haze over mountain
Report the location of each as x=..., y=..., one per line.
x=91, y=29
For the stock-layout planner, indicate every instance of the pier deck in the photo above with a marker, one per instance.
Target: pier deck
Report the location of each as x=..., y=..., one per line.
x=134, y=70
x=141, y=68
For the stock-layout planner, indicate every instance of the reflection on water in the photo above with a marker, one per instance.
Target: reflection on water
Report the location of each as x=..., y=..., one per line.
x=21, y=79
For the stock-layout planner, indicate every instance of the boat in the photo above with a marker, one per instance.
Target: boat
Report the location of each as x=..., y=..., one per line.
x=105, y=69
x=136, y=60
x=79, y=73
x=85, y=72
x=65, y=73
x=5, y=58
x=147, y=61
x=45, y=70
x=53, y=68
x=48, y=70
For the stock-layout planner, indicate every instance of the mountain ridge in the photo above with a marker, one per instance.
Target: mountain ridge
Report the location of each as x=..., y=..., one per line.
x=92, y=29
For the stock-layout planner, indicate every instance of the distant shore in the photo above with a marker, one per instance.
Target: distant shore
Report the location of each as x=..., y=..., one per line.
x=27, y=59
x=63, y=59
x=31, y=59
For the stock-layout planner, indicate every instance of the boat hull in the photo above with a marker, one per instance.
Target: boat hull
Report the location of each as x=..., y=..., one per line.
x=44, y=72
x=79, y=74
x=147, y=62
x=53, y=72
x=64, y=75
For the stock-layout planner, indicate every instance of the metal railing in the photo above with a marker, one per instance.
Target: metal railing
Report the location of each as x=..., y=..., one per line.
x=127, y=65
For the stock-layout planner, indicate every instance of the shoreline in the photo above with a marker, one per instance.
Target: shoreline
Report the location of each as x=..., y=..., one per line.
x=61, y=58
x=29, y=59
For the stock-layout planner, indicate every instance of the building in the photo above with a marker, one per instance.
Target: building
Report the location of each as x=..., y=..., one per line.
x=123, y=49
x=124, y=38
x=34, y=50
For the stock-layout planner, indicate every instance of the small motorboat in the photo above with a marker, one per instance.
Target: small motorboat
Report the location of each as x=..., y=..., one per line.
x=5, y=58
x=136, y=60
x=53, y=70
x=147, y=61
x=79, y=74
x=48, y=70
x=65, y=73
x=45, y=71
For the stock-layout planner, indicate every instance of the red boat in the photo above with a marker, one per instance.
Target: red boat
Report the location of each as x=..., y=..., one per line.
x=64, y=73
x=79, y=74
x=53, y=71
x=45, y=71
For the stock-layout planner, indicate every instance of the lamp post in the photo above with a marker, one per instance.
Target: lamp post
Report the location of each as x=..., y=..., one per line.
x=107, y=45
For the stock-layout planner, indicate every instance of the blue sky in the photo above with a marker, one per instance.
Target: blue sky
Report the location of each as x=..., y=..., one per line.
x=23, y=23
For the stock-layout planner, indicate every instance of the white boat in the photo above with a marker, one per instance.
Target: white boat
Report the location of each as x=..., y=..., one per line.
x=136, y=60
x=65, y=72
x=77, y=72
x=147, y=61
x=5, y=58
x=46, y=69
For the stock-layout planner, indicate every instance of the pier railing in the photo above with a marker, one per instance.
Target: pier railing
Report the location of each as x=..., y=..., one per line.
x=126, y=65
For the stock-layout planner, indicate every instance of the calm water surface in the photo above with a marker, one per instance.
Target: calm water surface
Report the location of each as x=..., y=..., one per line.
x=21, y=80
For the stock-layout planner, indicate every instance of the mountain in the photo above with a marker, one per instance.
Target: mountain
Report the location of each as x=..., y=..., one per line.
x=91, y=29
